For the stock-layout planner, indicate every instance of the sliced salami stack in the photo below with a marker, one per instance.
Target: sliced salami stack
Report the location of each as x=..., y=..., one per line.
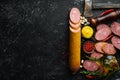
x=74, y=18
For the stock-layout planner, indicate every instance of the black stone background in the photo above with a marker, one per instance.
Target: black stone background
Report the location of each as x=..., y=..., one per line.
x=34, y=39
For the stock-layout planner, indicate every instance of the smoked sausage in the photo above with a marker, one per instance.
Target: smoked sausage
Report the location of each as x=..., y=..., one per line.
x=74, y=40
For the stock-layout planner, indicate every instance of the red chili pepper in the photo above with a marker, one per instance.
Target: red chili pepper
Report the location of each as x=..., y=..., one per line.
x=107, y=38
x=106, y=12
x=90, y=77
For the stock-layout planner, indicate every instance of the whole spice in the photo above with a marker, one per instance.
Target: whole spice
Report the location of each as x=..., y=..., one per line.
x=84, y=21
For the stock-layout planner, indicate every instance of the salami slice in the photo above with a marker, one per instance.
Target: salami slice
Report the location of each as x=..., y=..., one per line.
x=75, y=15
x=96, y=55
x=115, y=27
x=101, y=26
x=90, y=65
x=75, y=26
x=99, y=46
x=109, y=49
x=102, y=33
x=116, y=41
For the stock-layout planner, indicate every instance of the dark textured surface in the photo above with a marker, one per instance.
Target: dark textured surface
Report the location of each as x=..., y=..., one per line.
x=34, y=39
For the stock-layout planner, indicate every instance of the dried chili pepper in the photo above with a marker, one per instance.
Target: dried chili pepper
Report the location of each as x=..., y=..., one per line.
x=107, y=38
x=106, y=12
x=90, y=77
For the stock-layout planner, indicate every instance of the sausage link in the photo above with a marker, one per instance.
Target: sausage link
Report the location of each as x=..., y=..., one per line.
x=74, y=42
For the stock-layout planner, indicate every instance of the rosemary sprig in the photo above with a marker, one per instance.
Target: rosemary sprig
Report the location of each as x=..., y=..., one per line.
x=93, y=73
x=93, y=59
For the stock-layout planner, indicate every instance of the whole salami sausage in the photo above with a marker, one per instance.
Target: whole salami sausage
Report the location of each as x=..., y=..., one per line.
x=90, y=65
x=116, y=41
x=74, y=40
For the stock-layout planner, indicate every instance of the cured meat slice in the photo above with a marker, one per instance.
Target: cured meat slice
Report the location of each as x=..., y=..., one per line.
x=75, y=15
x=99, y=46
x=75, y=26
x=116, y=41
x=90, y=65
x=96, y=55
x=115, y=27
x=109, y=49
x=102, y=33
x=101, y=26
